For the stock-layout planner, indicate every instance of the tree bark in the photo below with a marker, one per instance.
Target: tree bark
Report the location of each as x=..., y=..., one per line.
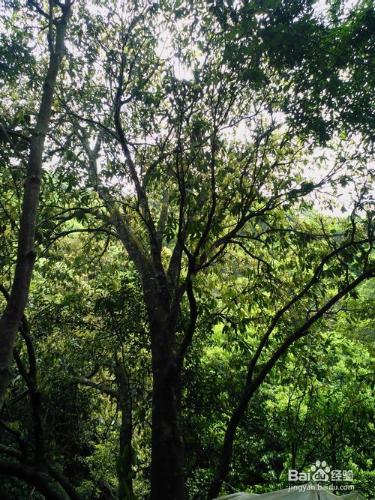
x=167, y=465
x=12, y=316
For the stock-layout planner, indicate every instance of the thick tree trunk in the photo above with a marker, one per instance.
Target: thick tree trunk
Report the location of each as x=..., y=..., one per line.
x=12, y=316
x=167, y=465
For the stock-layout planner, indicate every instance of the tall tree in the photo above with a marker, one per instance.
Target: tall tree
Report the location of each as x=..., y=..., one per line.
x=57, y=18
x=164, y=148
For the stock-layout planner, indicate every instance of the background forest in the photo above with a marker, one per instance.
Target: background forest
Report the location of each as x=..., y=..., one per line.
x=186, y=246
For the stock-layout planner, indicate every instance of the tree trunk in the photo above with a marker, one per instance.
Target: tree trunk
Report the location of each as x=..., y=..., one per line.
x=125, y=459
x=12, y=316
x=227, y=449
x=167, y=463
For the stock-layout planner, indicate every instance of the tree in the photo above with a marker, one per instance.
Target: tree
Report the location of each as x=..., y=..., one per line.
x=190, y=188
x=12, y=315
x=315, y=404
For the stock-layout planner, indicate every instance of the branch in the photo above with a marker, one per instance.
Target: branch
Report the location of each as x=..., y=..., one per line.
x=192, y=324
x=212, y=210
x=99, y=387
x=280, y=313
x=304, y=329
x=38, y=8
x=62, y=234
x=131, y=244
x=124, y=232
x=141, y=194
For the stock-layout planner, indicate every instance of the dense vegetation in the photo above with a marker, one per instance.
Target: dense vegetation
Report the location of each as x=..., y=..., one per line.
x=186, y=260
